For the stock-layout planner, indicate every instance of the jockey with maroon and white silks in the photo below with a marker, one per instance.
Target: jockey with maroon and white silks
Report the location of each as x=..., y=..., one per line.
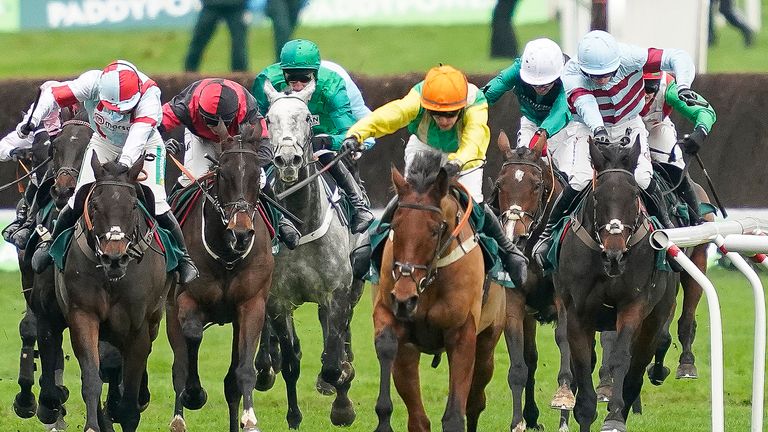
x=605, y=92
x=124, y=110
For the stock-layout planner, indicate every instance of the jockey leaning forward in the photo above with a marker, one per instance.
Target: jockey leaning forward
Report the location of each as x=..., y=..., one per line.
x=660, y=100
x=447, y=115
x=331, y=110
x=604, y=89
x=124, y=110
x=199, y=108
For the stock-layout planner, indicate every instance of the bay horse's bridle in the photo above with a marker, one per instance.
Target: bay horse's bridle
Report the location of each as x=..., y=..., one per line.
x=516, y=213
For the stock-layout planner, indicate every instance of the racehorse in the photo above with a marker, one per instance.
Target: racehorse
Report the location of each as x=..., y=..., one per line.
x=318, y=270
x=527, y=187
x=607, y=279
x=113, y=287
x=230, y=242
x=430, y=299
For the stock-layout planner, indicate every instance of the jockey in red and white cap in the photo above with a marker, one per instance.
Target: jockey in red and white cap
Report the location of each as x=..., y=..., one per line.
x=124, y=110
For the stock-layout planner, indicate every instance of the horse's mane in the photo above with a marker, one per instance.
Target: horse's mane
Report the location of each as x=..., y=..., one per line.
x=423, y=170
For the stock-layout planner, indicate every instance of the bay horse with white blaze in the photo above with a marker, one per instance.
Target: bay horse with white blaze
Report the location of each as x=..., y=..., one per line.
x=430, y=299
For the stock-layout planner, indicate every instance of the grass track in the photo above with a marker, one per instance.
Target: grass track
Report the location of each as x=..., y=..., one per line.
x=683, y=405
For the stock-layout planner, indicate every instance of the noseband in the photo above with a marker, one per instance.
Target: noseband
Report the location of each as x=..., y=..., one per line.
x=615, y=226
x=516, y=213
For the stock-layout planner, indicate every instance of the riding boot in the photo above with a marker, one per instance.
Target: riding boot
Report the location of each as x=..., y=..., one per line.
x=687, y=194
x=12, y=232
x=66, y=219
x=654, y=203
x=361, y=255
x=513, y=260
x=186, y=268
x=560, y=209
x=286, y=230
x=363, y=217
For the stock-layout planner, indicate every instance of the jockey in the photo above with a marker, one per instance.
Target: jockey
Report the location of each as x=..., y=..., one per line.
x=11, y=148
x=124, y=109
x=444, y=114
x=330, y=108
x=199, y=108
x=604, y=89
x=535, y=80
x=660, y=100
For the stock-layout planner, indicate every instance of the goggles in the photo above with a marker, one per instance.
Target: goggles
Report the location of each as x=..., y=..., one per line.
x=298, y=77
x=445, y=114
x=601, y=76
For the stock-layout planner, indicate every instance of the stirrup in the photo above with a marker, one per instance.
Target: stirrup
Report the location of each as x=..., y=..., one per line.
x=187, y=270
x=41, y=258
x=289, y=235
x=362, y=219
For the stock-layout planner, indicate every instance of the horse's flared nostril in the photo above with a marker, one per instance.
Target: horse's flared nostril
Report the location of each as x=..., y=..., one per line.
x=296, y=160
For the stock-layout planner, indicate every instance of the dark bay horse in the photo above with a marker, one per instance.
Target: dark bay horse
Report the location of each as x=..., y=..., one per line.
x=430, y=299
x=113, y=287
x=230, y=243
x=608, y=280
x=318, y=270
x=527, y=187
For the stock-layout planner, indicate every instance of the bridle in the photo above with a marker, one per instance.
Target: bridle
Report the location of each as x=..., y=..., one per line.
x=516, y=213
x=615, y=226
x=66, y=170
x=400, y=269
x=302, y=146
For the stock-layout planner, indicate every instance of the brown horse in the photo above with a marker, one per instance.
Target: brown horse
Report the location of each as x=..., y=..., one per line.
x=113, y=287
x=430, y=299
x=526, y=189
x=231, y=245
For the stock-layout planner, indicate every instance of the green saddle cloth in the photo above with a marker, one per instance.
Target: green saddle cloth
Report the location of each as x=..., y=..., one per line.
x=379, y=232
x=173, y=253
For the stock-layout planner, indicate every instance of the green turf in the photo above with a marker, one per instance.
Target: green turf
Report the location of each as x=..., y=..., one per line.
x=367, y=50
x=669, y=407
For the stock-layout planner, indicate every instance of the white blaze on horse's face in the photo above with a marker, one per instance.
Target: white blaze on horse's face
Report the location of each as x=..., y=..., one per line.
x=519, y=175
x=289, y=130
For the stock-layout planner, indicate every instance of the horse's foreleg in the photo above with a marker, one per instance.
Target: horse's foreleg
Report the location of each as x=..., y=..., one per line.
x=191, y=322
x=628, y=322
x=385, y=342
x=405, y=374
x=250, y=320
x=135, y=354
x=482, y=374
x=518, y=370
x=580, y=341
x=179, y=369
x=337, y=370
x=460, y=345
x=531, y=353
x=266, y=369
x=231, y=390
x=605, y=387
x=24, y=404
x=84, y=332
x=290, y=352
x=51, y=395
x=564, y=398
x=686, y=325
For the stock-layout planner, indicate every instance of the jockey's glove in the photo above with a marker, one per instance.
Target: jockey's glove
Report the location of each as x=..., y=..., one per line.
x=452, y=168
x=17, y=154
x=172, y=146
x=353, y=144
x=25, y=128
x=687, y=95
x=600, y=136
x=692, y=142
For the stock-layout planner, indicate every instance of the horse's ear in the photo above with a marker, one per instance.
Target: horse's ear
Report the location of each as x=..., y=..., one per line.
x=221, y=131
x=401, y=185
x=441, y=184
x=634, y=153
x=270, y=91
x=135, y=169
x=306, y=93
x=503, y=143
x=598, y=160
x=98, y=169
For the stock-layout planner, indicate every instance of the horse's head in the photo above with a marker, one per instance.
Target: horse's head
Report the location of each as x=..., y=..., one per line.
x=67, y=150
x=112, y=214
x=616, y=200
x=418, y=229
x=290, y=130
x=237, y=185
x=525, y=186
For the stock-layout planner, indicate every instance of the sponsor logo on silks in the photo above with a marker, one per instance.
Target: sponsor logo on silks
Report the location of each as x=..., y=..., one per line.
x=103, y=122
x=83, y=13
x=314, y=120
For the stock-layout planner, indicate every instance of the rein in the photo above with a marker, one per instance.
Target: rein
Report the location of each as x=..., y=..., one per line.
x=400, y=269
x=32, y=171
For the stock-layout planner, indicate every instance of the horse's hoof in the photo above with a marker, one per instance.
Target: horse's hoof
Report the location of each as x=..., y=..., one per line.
x=323, y=387
x=144, y=398
x=604, y=393
x=563, y=399
x=47, y=415
x=293, y=417
x=687, y=371
x=520, y=427
x=25, y=405
x=64, y=393
x=178, y=424
x=657, y=374
x=536, y=427
x=342, y=413
x=613, y=426
x=564, y=428
x=265, y=380
x=194, y=400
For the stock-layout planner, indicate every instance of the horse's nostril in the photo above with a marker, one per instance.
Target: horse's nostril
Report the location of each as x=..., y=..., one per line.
x=412, y=302
x=392, y=299
x=124, y=259
x=296, y=160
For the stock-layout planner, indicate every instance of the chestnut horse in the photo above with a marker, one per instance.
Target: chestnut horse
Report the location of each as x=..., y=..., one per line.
x=430, y=299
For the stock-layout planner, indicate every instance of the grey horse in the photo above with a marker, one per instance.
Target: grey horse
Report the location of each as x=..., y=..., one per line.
x=317, y=271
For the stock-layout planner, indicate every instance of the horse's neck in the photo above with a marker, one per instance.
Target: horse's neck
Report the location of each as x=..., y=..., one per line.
x=308, y=203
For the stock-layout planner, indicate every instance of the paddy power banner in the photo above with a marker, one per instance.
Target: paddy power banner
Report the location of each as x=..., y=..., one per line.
x=22, y=15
